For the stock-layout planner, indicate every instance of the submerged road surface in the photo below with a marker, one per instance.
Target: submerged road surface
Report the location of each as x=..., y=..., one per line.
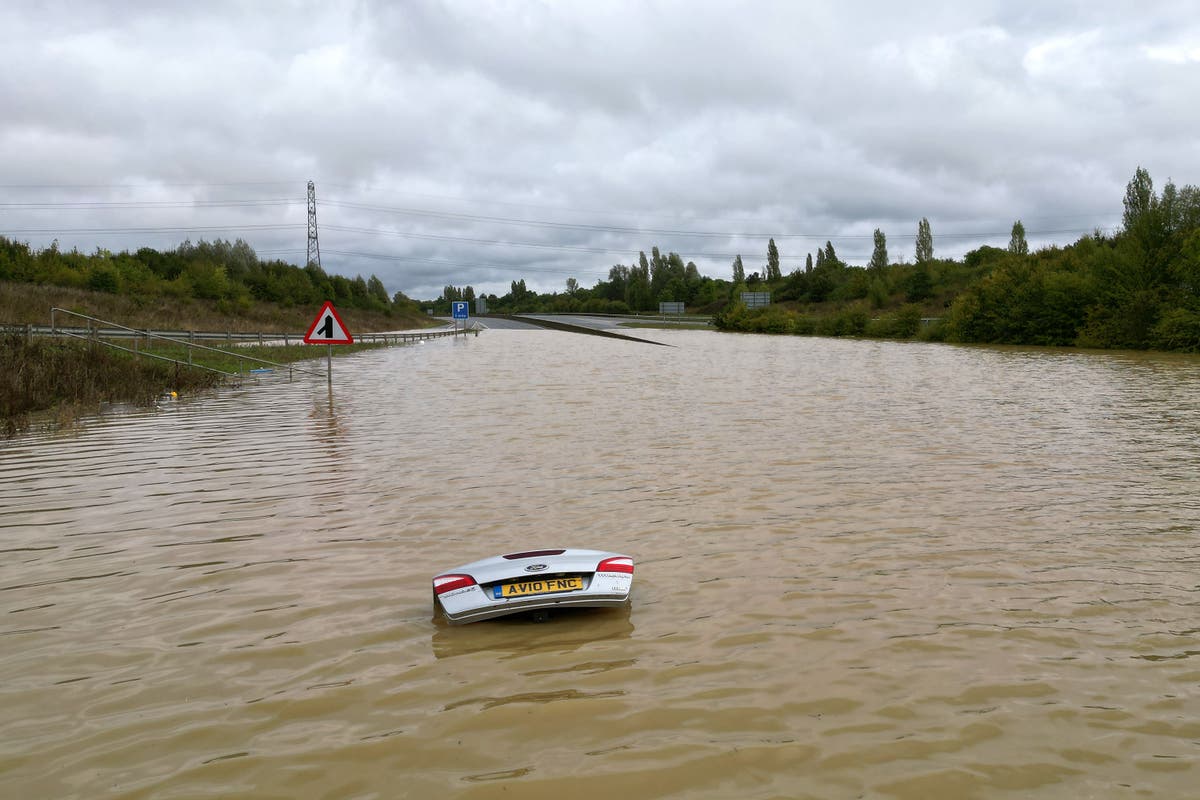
x=863, y=569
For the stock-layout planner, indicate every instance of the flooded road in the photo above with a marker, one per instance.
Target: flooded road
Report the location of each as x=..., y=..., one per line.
x=864, y=569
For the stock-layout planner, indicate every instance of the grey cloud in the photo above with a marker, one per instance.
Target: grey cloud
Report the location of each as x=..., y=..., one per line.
x=768, y=118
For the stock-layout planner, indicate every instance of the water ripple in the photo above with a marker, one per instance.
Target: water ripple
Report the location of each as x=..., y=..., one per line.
x=864, y=569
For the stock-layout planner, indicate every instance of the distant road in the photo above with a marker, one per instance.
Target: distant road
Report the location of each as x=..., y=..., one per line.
x=583, y=320
x=599, y=323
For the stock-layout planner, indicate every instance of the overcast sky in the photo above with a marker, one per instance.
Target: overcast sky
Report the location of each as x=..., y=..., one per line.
x=477, y=143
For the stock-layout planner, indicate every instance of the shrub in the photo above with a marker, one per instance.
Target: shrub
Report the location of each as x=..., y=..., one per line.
x=851, y=321
x=1177, y=329
x=103, y=278
x=772, y=319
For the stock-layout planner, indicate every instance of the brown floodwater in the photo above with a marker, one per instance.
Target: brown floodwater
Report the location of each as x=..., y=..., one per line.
x=864, y=569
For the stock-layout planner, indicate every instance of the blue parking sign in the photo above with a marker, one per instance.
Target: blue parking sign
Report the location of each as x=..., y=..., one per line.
x=461, y=309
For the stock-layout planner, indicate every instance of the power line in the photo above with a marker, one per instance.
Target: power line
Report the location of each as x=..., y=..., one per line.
x=471, y=240
x=656, y=231
x=557, y=225
x=461, y=216
x=450, y=263
x=147, y=229
x=125, y=205
x=152, y=185
x=429, y=213
x=641, y=214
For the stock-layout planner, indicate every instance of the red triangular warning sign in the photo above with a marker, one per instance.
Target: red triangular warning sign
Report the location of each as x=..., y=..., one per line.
x=328, y=328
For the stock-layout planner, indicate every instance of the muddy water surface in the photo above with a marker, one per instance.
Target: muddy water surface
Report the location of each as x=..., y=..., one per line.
x=863, y=570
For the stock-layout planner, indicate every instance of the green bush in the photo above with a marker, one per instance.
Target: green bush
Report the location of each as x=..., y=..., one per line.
x=731, y=318
x=1178, y=329
x=803, y=325
x=901, y=324
x=772, y=319
x=103, y=279
x=851, y=321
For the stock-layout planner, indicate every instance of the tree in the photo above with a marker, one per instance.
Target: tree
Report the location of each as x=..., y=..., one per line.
x=879, y=256
x=919, y=285
x=519, y=291
x=820, y=257
x=637, y=289
x=773, y=271
x=877, y=292
x=658, y=271
x=808, y=264
x=376, y=290
x=572, y=286
x=1016, y=243
x=1139, y=197
x=739, y=272
x=924, y=242
x=618, y=279
x=830, y=255
x=401, y=299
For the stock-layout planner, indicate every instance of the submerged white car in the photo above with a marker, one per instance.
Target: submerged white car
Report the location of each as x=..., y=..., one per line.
x=534, y=580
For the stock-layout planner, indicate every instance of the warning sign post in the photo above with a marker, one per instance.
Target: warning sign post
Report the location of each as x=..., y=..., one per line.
x=328, y=329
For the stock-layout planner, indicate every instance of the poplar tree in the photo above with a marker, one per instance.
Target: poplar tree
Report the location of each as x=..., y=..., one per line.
x=879, y=256
x=830, y=255
x=924, y=242
x=1017, y=243
x=773, y=271
x=637, y=289
x=808, y=265
x=739, y=272
x=1139, y=197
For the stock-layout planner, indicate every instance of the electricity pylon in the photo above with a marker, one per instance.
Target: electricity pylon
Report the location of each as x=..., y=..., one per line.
x=314, y=249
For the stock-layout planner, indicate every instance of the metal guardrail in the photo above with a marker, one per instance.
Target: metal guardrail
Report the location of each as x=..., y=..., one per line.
x=263, y=338
x=414, y=336
x=121, y=332
x=102, y=332
x=99, y=335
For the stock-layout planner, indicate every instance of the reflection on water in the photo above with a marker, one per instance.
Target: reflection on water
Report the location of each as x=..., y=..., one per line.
x=864, y=569
x=508, y=637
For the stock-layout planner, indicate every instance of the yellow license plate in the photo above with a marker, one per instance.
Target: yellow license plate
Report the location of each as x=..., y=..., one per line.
x=542, y=586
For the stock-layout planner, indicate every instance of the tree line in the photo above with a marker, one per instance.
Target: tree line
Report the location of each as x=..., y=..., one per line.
x=659, y=277
x=632, y=288
x=1137, y=288
x=229, y=273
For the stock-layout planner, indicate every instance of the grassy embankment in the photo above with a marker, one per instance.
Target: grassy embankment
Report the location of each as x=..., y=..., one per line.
x=52, y=383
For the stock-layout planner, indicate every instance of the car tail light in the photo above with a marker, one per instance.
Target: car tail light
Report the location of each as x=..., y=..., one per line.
x=448, y=583
x=533, y=554
x=617, y=564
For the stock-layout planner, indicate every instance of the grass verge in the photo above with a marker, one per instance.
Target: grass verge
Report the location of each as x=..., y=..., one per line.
x=55, y=382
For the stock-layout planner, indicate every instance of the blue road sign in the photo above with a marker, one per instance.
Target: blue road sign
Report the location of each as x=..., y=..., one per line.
x=461, y=309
